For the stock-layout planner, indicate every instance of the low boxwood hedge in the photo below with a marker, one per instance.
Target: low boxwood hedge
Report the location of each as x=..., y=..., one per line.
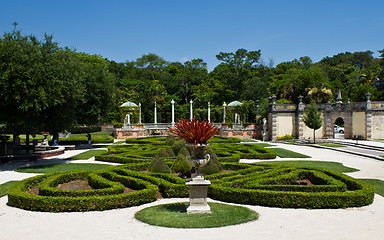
x=18, y=196
x=255, y=184
x=336, y=190
x=102, y=186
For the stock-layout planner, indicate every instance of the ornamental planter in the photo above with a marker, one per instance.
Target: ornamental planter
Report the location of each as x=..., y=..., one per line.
x=198, y=187
x=197, y=158
x=196, y=134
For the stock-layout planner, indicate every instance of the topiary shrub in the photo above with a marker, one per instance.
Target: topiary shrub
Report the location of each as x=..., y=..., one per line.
x=162, y=153
x=170, y=152
x=180, y=165
x=158, y=165
x=213, y=166
x=178, y=145
x=184, y=151
x=170, y=140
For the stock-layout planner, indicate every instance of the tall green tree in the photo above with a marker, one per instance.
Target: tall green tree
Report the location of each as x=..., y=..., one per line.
x=312, y=118
x=44, y=87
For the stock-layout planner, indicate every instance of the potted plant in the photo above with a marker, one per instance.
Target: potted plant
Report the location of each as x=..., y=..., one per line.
x=196, y=134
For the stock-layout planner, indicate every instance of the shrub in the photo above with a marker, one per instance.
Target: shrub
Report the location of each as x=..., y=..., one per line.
x=170, y=140
x=213, y=166
x=18, y=196
x=178, y=145
x=180, y=165
x=91, y=129
x=162, y=153
x=336, y=190
x=158, y=165
x=170, y=152
x=184, y=151
x=285, y=138
x=169, y=185
x=261, y=184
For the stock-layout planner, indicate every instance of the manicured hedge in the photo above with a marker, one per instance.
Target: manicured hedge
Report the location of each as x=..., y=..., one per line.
x=48, y=186
x=255, y=184
x=19, y=197
x=76, y=130
x=144, y=149
x=169, y=185
x=336, y=190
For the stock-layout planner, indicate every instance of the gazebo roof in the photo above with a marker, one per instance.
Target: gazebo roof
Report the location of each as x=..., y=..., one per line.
x=128, y=104
x=235, y=103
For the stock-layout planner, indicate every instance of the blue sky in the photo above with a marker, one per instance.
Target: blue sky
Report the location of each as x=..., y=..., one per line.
x=181, y=30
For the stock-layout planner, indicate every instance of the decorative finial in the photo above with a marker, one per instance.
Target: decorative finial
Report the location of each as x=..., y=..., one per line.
x=338, y=98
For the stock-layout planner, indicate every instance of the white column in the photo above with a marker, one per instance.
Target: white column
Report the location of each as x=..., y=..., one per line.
x=139, y=113
x=155, y=114
x=129, y=118
x=173, y=112
x=209, y=112
x=191, y=110
x=224, y=105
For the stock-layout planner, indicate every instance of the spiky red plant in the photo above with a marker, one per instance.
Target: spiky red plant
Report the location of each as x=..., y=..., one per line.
x=194, y=131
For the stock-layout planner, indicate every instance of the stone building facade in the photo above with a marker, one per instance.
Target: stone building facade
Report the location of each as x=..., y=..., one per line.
x=363, y=120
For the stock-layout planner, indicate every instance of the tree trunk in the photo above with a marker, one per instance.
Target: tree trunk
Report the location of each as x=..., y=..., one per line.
x=314, y=136
x=55, y=136
x=27, y=141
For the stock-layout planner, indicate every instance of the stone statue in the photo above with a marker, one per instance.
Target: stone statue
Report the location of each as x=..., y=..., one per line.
x=264, y=129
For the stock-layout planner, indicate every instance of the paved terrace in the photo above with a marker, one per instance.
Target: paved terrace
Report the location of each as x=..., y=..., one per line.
x=274, y=223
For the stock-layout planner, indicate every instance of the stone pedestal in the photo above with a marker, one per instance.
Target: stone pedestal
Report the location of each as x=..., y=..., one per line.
x=198, y=196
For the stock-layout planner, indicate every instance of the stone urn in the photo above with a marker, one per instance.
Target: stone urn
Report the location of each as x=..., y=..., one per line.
x=197, y=156
x=198, y=187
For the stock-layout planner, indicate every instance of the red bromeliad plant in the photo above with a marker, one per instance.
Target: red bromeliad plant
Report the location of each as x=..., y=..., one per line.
x=194, y=131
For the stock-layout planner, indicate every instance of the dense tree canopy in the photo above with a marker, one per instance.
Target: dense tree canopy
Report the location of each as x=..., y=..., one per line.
x=45, y=87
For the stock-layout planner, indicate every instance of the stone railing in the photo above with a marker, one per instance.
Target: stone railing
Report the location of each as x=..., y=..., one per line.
x=157, y=125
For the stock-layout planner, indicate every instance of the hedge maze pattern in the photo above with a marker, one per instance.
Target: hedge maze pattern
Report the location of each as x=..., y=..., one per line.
x=254, y=184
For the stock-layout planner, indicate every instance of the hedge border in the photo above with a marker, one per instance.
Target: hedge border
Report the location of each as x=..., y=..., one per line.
x=18, y=197
x=358, y=194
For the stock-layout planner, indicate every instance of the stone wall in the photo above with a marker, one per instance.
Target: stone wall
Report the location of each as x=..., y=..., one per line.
x=361, y=119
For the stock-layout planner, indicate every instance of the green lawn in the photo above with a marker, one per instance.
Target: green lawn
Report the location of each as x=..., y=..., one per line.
x=174, y=215
x=86, y=155
x=248, y=140
x=97, y=137
x=314, y=164
x=5, y=186
x=63, y=167
x=378, y=184
x=330, y=145
x=94, y=135
x=263, y=144
x=284, y=153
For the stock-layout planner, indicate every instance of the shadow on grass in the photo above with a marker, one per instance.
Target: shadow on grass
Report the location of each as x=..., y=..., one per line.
x=177, y=207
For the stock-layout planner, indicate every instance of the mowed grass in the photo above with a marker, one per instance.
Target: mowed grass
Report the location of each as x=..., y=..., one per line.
x=63, y=167
x=86, y=155
x=335, y=166
x=284, y=153
x=174, y=215
x=5, y=187
x=330, y=145
x=377, y=183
